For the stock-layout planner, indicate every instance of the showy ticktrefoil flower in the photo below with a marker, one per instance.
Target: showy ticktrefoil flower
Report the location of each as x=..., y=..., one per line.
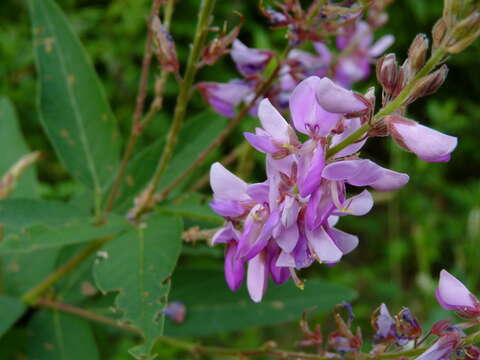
x=453, y=295
x=288, y=222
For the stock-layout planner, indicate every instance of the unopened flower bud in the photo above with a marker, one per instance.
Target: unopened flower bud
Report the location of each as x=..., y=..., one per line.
x=165, y=51
x=451, y=8
x=387, y=72
x=405, y=74
x=429, y=84
x=417, y=52
x=464, y=33
x=438, y=33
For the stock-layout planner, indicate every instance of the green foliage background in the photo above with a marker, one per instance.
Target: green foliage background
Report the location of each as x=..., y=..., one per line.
x=431, y=224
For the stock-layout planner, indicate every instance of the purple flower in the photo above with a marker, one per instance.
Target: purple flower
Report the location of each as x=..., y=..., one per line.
x=230, y=197
x=249, y=61
x=288, y=222
x=384, y=325
x=453, y=295
x=442, y=349
x=355, y=65
x=224, y=97
x=428, y=144
x=176, y=311
x=277, y=136
x=234, y=270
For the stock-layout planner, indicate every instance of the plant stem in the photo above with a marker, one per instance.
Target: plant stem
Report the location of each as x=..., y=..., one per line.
x=137, y=124
x=393, y=106
x=262, y=88
x=31, y=296
x=267, y=349
x=206, y=9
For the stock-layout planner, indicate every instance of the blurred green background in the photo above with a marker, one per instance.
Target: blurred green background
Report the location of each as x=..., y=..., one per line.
x=432, y=223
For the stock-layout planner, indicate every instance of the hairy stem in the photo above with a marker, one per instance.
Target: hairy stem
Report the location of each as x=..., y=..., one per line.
x=206, y=9
x=31, y=296
x=137, y=123
x=393, y=106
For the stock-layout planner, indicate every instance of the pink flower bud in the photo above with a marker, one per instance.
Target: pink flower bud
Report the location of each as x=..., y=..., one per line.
x=428, y=144
x=453, y=295
x=417, y=52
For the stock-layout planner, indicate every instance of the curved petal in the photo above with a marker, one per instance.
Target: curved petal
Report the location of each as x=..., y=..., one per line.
x=342, y=170
x=323, y=246
x=227, y=208
x=257, y=277
x=226, y=234
x=357, y=205
x=346, y=242
x=223, y=97
x=334, y=98
x=272, y=121
x=261, y=142
x=390, y=180
x=290, y=211
x=249, y=61
x=288, y=238
x=234, y=269
x=285, y=260
x=310, y=171
x=428, y=144
x=452, y=294
x=258, y=192
x=225, y=185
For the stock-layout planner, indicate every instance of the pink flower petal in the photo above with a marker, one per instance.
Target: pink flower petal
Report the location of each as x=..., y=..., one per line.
x=225, y=185
x=257, y=277
x=323, y=246
x=336, y=99
x=452, y=294
x=428, y=144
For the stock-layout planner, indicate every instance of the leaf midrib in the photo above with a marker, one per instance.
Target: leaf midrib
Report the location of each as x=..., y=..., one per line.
x=77, y=115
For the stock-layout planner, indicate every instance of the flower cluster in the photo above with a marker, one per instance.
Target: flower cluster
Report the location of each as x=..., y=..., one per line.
x=288, y=221
x=401, y=335
x=357, y=52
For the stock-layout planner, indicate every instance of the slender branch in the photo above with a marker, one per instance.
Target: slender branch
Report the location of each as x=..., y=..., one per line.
x=31, y=296
x=86, y=314
x=206, y=9
x=137, y=124
x=393, y=106
x=262, y=88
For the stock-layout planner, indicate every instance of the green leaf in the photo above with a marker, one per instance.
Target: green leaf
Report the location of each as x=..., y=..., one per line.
x=197, y=134
x=11, y=310
x=58, y=336
x=13, y=147
x=74, y=110
x=213, y=308
x=22, y=271
x=22, y=213
x=138, y=265
x=40, y=237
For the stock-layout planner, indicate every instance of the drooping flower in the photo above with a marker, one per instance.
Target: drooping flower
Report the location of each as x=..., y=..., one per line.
x=428, y=144
x=249, y=61
x=224, y=97
x=453, y=295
